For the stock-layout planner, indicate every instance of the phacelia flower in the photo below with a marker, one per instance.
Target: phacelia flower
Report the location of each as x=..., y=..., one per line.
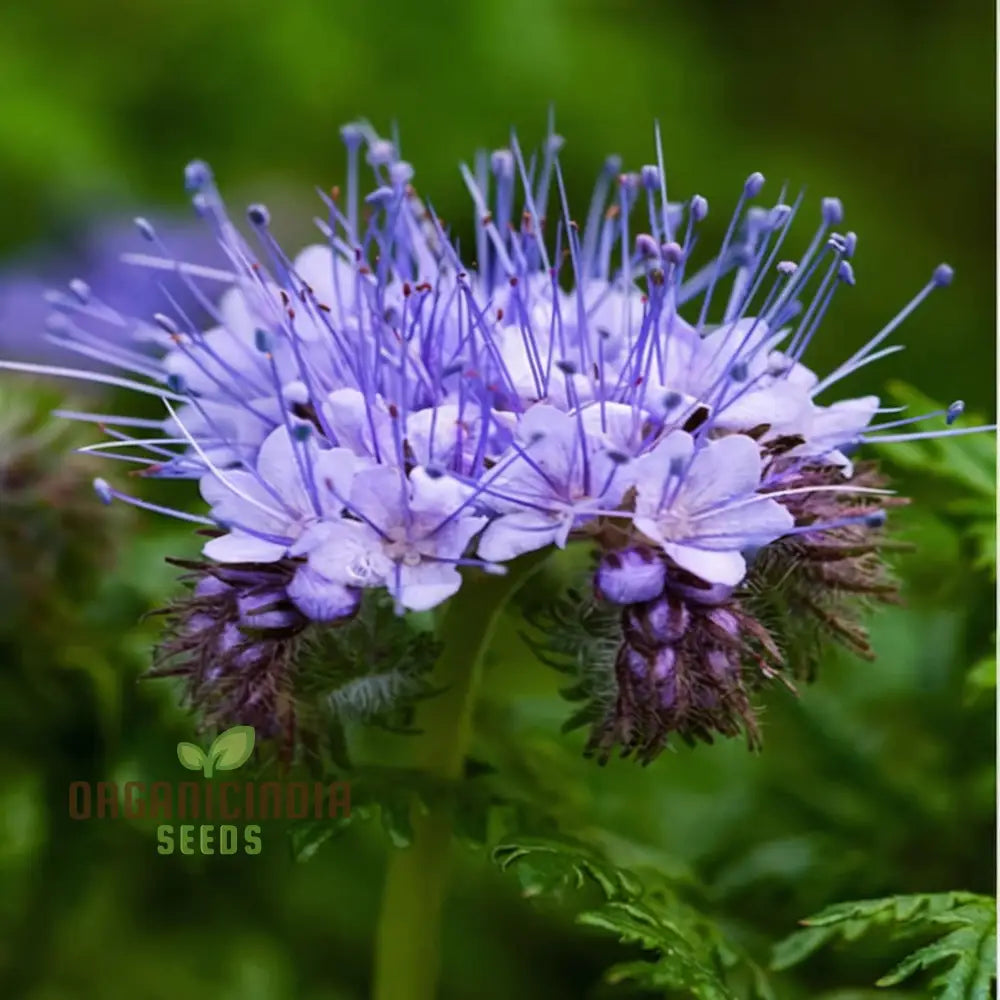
x=704, y=506
x=407, y=534
x=293, y=484
x=552, y=479
x=379, y=411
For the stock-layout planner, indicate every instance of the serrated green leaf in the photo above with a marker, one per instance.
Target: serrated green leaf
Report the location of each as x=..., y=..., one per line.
x=965, y=459
x=578, y=636
x=372, y=670
x=682, y=963
x=548, y=866
x=799, y=946
x=232, y=749
x=965, y=462
x=688, y=951
x=390, y=794
x=970, y=947
x=191, y=756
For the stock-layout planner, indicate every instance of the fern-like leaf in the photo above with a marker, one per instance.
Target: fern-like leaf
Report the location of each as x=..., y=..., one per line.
x=550, y=866
x=578, y=636
x=686, y=949
x=969, y=946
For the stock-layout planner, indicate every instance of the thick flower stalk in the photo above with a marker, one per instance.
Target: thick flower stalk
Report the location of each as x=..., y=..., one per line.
x=379, y=412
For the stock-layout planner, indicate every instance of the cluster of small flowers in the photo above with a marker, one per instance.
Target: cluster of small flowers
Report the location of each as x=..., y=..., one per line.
x=376, y=414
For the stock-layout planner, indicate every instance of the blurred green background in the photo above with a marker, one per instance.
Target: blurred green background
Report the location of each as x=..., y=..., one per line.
x=879, y=779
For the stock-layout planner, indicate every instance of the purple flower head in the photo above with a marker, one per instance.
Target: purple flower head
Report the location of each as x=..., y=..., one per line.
x=232, y=642
x=379, y=412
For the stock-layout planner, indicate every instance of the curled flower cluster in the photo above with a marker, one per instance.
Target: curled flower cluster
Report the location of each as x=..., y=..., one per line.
x=234, y=641
x=375, y=413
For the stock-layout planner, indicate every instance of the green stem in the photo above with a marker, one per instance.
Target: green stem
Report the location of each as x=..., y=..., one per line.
x=407, y=948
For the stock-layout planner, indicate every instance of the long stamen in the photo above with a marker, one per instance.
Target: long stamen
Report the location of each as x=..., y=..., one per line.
x=107, y=493
x=751, y=189
x=940, y=279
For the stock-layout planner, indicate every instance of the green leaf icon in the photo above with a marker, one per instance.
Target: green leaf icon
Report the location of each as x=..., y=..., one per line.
x=231, y=749
x=191, y=756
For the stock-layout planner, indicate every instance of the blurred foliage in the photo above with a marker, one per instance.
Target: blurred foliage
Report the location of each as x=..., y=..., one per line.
x=879, y=779
x=890, y=109
x=957, y=475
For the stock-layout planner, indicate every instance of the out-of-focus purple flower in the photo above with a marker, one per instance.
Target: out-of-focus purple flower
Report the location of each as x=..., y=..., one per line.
x=102, y=263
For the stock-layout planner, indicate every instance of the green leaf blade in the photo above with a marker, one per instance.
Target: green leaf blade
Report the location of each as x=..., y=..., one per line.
x=969, y=946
